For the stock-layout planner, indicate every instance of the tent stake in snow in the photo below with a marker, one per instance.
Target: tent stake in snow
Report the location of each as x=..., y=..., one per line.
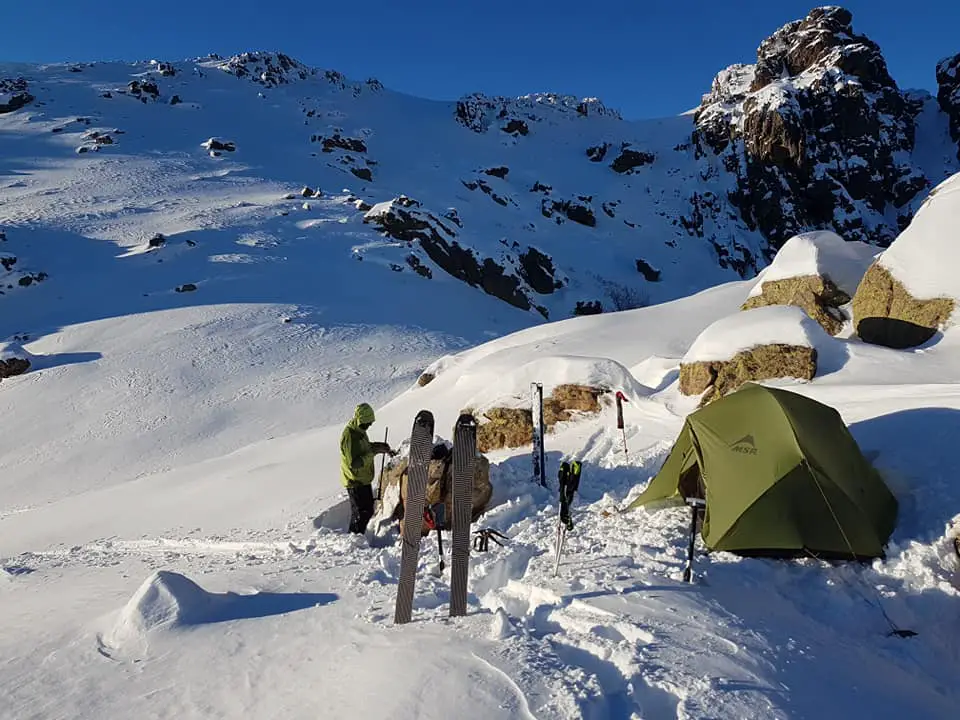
x=695, y=506
x=539, y=459
x=621, y=398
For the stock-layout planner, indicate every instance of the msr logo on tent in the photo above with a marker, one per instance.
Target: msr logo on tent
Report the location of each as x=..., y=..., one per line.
x=745, y=446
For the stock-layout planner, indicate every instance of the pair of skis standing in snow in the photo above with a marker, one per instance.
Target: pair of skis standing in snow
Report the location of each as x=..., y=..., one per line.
x=464, y=459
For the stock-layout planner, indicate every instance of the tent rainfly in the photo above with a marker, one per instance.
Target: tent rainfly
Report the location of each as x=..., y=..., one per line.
x=781, y=475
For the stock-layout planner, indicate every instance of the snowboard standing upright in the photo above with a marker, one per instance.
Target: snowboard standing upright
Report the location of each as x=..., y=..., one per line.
x=421, y=446
x=464, y=462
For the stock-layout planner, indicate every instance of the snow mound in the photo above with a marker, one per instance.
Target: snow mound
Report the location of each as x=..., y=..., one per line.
x=164, y=601
x=771, y=325
x=822, y=253
x=925, y=255
x=503, y=380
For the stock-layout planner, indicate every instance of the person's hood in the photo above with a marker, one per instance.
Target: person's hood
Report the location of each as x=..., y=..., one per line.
x=363, y=414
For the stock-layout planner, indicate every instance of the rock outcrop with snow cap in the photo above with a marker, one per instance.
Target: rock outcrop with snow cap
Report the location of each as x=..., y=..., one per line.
x=818, y=271
x=758, y=344
x=912, y=289
x=817, y=132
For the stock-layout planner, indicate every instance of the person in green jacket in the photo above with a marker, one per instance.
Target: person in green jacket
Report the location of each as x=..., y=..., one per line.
x=356, y=465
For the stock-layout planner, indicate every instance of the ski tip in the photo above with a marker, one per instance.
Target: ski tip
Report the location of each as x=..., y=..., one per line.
x=466, y=420
x=424, y=418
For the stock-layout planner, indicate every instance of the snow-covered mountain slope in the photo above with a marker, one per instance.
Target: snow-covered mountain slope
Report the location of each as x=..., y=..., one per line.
x=200, y=321
x=308, y=631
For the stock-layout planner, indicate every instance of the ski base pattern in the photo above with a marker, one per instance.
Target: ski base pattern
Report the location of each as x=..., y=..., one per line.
x=464, y=462
x=421, y=445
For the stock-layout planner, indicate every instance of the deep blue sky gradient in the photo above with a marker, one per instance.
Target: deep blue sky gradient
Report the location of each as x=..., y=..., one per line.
x=646, y=57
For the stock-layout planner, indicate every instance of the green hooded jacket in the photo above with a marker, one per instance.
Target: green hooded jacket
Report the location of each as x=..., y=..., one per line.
x=356, y=452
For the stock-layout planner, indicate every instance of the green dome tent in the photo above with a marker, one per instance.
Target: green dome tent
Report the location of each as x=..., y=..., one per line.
x=781, y=476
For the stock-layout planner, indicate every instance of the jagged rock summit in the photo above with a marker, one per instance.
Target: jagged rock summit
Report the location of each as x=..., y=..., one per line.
x=817, y=133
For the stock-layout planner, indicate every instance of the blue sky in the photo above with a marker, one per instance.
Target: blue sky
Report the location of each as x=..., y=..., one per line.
x=646, y=57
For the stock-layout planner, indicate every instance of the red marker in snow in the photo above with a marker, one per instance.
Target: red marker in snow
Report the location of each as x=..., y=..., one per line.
x=621, y=398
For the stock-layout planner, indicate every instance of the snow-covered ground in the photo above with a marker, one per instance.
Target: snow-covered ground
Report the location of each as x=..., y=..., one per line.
x=256, y=614
x=163, y=461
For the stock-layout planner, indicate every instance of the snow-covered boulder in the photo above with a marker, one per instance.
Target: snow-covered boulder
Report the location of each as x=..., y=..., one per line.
x=911, y=290
x=14, y=360
x=818, y=132
x=948, y=93
x=779, y=341
x=817, y=271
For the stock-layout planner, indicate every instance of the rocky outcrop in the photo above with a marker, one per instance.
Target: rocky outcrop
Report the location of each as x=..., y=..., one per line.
x=948, y=93
x=14, y=95
x=765, y=362
x=537, y=269
x=14, y=360
x=217, y=146
x=487, y=189
x=817, y=133
x=267, y=69
x=649, y=272
x=335, y=141
x=505, y=427
x=514, y=116
x=819, y=297
x=404, y=219
x=754, y=345
x=577, y=209
x=885, y=313
x=143, y=90
x=629, y=160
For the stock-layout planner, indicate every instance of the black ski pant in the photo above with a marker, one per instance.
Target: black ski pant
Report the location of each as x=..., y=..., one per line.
x=361, y=507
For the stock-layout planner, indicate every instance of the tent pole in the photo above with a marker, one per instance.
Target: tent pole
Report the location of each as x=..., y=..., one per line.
x=695, y=505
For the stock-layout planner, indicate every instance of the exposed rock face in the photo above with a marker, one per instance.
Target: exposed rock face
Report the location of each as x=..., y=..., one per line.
x=819, y=297
x=719, y=378
x=650, y=273
x=885, y=313
x=216, y=146
x=817, y=132
x=628, y=160
x=513, y=427
x=13, y=95
x=14, y=360
x=267, y=69
x=337, y=140
x=515, y=115
x=577, y=209
x=948, y=94
x=538, y=270
x=404, y=219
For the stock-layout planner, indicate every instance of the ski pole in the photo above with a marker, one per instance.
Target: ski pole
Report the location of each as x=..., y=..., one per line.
x=621, y=398
x=383, y=462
